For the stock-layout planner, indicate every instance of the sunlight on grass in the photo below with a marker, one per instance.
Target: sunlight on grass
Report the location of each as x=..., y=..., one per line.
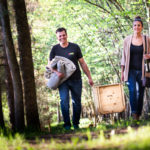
x=107, y=138
x=88, y=133
x=3, y=144
x=133, y=140
x=15, y=143
x=84, y=123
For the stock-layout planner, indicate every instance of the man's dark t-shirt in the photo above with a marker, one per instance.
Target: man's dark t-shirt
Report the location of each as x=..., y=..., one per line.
x=72, y=52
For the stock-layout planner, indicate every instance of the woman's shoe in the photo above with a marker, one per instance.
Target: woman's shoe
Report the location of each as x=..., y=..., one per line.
x=135, y=116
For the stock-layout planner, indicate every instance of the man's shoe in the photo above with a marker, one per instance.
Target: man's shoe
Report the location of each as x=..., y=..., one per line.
x=76, y=126
x=67, y=127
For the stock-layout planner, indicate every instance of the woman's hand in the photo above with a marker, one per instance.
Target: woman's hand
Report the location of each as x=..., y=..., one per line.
x=146, y=56
x=122, y=73
x=122, y=76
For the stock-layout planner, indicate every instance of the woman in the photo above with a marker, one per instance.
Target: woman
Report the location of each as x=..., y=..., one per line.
x=132, y=66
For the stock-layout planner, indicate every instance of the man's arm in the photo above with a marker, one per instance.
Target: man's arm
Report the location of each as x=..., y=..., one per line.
x=86, y=70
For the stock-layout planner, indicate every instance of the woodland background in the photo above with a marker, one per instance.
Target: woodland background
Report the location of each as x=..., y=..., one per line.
x=27, y=36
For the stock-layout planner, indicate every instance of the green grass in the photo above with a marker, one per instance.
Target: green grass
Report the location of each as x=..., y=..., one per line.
x=106, y=137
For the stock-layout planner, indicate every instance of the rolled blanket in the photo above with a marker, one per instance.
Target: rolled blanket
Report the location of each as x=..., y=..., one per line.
x=62, y=65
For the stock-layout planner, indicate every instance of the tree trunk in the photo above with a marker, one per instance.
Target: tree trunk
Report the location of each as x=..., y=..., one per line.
x=13, y=65
x=10, y=94
x=9, y=86
x=147, y=7
x=2, y=125
x=26, y=64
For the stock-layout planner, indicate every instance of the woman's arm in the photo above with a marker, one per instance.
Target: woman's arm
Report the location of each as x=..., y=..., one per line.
x=122, y=73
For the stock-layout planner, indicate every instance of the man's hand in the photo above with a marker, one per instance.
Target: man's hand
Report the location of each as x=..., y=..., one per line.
x=59, y=74
x=91, y=82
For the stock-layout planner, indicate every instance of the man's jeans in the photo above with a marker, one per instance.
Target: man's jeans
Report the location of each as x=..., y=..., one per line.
x=75, y=88
x=136, y=91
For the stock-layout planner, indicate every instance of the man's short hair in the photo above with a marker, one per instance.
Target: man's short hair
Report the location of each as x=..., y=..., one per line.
x=61, y=29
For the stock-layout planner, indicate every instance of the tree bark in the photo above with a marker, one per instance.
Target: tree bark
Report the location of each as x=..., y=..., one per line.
x=26, y=64
x=2, y=125
x=10, y=94
x=13, y=65
x=147, y=7
x=9, y=85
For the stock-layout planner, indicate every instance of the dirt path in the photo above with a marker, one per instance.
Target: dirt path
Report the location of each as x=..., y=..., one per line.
x=67, y=137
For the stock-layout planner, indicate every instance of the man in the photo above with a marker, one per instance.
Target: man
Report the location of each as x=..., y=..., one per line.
x=74, y=83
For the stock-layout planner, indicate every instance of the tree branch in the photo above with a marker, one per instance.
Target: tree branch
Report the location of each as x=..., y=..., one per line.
x=105, y=10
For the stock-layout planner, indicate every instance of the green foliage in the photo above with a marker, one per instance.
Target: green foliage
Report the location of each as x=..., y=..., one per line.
x=98, y=32
x=5, y=109
x=109, y=136
x=99, y=27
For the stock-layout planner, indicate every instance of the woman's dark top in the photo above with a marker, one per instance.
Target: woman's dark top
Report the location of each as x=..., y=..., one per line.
x=136, y=56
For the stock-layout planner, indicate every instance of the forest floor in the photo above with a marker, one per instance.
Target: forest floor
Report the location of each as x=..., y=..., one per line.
x=81, y=138
x=121, y=135
x=80, y=133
